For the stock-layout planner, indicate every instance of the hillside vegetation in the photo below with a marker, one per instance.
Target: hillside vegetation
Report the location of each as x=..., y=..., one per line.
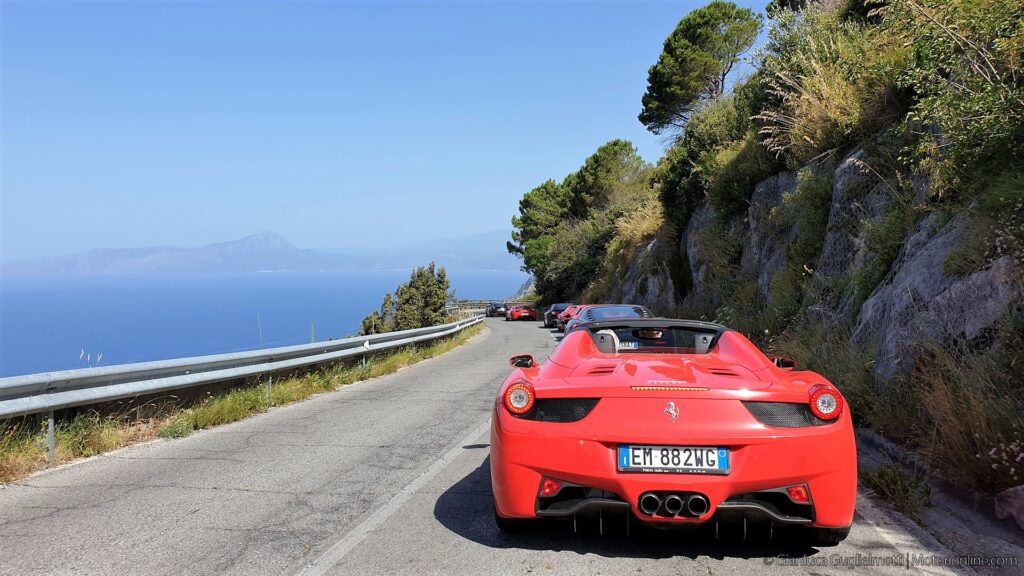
x=856, y=202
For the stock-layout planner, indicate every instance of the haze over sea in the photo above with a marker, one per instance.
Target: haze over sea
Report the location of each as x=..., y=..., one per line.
x=46, y=323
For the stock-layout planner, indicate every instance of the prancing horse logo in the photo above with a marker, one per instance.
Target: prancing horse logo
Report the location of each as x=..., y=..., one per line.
x=672, y=411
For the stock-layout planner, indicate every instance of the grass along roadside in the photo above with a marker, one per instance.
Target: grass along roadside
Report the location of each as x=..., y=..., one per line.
x=23, y=451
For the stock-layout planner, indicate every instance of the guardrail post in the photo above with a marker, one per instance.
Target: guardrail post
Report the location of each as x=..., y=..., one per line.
x=270, y=386
x=51, y=455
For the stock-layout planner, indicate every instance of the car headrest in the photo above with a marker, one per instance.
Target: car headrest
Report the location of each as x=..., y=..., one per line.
x=606, y=341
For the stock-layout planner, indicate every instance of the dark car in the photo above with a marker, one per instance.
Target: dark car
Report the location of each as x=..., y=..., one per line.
x=495, y=309
x=599, y=312
x=551, y=314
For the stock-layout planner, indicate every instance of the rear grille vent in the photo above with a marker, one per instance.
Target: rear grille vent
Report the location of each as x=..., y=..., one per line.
x=784, y=414
x=563, y=409
x=601, y=371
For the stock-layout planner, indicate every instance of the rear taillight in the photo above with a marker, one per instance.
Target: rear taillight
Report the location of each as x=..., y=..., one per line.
x=825, y=402
x=519, y=397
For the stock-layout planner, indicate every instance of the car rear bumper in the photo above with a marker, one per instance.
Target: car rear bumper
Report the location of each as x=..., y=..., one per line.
x=763, y=462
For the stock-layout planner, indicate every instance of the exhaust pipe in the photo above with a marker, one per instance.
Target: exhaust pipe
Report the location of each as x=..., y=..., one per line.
x=673, y=504
x=649, y=503
x=697, y=505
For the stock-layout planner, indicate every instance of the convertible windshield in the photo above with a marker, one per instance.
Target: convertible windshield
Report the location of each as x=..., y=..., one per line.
x=667, y=340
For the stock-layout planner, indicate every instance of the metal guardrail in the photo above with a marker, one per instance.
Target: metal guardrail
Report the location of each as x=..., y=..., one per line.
x=50, y=391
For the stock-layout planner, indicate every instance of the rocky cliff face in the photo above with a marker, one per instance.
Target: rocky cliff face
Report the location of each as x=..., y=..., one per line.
x=916, y=300
x=648, y=281
x=919, y=302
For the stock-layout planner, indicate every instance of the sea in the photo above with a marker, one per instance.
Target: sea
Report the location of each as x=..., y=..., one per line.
x=49, y=324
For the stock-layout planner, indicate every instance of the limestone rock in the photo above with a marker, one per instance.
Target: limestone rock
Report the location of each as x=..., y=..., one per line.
x=1010, y=504
x=648, y=282
x=764, y=252
x=918, y=302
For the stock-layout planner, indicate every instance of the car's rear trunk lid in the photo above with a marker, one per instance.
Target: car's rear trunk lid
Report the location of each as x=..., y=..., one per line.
x=654, y=375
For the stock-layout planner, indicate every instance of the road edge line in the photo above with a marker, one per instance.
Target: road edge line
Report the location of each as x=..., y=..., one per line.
x=337, y=551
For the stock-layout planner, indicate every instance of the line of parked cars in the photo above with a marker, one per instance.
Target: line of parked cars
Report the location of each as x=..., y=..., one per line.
x=564, y=316
x=510, y=312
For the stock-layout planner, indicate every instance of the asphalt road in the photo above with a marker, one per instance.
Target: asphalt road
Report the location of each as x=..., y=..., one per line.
x=388, y=476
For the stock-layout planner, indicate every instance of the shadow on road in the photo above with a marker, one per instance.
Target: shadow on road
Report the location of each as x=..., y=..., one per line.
x=466, y=509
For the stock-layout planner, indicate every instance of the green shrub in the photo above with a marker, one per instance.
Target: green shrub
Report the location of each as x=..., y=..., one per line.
x=718, y=123
x=882, y=241
x=230, y=407
x=677, y=186
x=178, y=426
x=807, y=208
x=719, y=252
x=734, y=170
x=908, y=493
x=787, y=292
x=85, y=435
x=965, y=73
x=974, y=252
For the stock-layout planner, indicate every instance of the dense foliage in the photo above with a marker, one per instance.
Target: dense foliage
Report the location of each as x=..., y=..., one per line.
x=418, y=303
x=563, y=229
x=931, y=89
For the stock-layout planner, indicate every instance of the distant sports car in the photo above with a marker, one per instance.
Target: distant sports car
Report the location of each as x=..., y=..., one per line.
x=596, y=312
x=551, y=314
x=520, y=313
x=673, y=422
x=495, y=309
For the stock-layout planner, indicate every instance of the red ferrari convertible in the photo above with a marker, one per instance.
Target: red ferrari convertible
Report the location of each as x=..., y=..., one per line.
x=674, y=422
x=521, y=313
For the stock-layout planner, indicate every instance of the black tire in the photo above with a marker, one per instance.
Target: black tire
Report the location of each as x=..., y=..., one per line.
x=825, y=536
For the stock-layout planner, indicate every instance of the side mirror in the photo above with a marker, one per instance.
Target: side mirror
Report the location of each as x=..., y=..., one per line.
x=784, y=363
x=522, y=361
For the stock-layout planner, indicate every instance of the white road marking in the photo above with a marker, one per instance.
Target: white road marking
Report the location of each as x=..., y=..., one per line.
x=347, y=543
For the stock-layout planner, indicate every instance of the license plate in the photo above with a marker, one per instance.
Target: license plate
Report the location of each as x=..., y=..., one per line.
x=677, y=459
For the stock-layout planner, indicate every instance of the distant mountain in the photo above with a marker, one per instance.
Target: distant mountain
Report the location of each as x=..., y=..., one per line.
x=483, y=251
x=265, y=252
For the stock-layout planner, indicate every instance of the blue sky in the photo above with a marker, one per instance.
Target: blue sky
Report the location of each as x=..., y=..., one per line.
x=334, y=124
